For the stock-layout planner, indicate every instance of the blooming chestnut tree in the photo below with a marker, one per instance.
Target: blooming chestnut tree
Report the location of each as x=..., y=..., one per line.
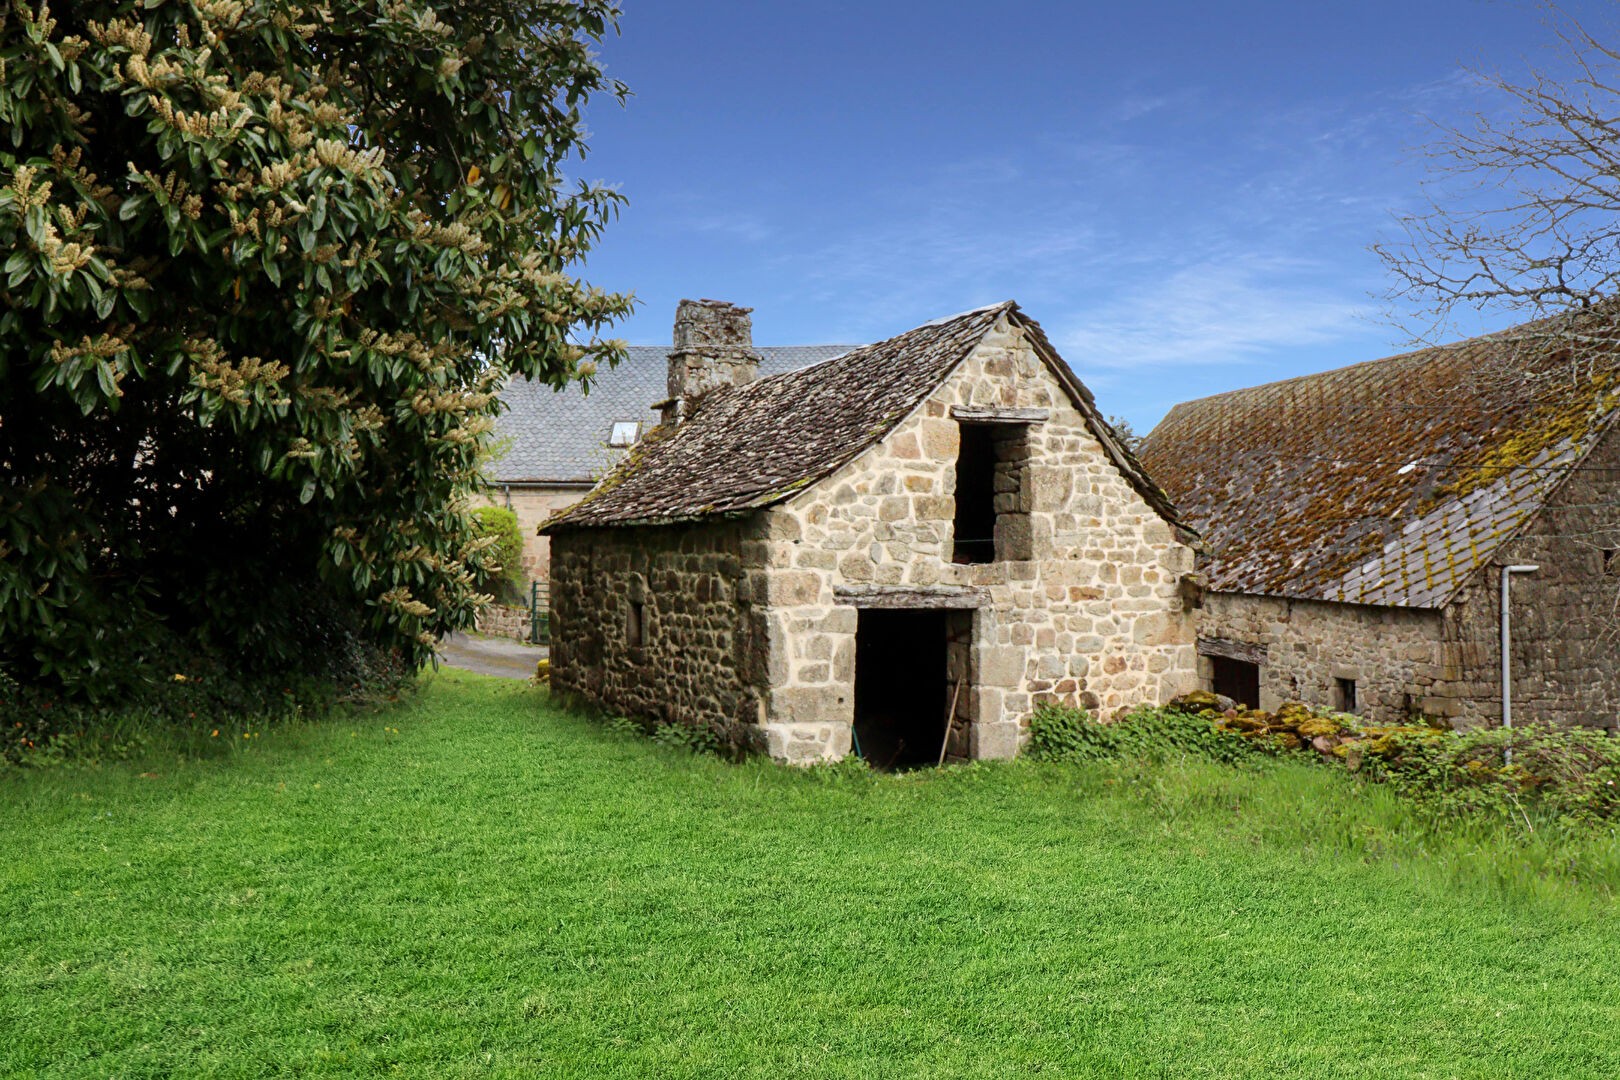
x=267, y=264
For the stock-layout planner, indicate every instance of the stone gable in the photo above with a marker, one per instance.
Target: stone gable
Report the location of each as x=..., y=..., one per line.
x=758, y=623
x=1091, y=617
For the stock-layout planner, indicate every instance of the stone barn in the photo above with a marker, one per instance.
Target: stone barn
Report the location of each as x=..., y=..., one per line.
x=900, y=551
x=1362, y=523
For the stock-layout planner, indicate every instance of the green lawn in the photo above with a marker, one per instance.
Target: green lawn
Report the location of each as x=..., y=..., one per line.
x=477, y=884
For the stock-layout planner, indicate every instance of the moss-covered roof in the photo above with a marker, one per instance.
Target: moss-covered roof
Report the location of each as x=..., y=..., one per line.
x=749, y=447
x=1390, y=482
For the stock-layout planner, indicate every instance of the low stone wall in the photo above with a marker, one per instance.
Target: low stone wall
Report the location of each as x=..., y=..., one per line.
x=498, y=620
x=1395, y=655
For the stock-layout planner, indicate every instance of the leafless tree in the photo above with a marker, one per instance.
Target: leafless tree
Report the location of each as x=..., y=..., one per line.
x=1523, y=219
x=1523, y=213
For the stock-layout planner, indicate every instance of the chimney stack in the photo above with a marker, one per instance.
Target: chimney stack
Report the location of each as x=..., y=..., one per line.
x=714, y=347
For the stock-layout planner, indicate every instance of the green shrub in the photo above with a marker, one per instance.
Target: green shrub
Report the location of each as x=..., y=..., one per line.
x=1570, y=775
x=505, y=580
x=1558, y=776
x=1064, y=733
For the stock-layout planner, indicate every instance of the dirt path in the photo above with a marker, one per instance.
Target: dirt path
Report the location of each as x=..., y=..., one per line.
x=491, y=655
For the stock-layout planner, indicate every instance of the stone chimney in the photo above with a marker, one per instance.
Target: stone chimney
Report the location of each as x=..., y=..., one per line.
x=714, y=347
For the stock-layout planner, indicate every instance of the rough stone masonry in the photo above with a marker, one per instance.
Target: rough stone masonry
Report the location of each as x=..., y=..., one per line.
x=718, y=577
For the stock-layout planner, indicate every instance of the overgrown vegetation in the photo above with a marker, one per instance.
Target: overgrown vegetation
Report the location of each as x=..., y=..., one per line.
x=503, y=576
x=199, y=693
x=267, y=266
x=477, y=882
x=1529, y=775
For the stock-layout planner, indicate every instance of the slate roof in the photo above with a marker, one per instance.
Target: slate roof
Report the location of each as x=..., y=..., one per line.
x=1388, y=483
x=751, y=446
x=560, y=436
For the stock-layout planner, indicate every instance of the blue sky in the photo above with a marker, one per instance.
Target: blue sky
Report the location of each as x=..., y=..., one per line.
x=1181, y=192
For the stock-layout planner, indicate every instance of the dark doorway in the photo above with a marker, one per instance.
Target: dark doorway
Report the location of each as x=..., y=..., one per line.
x=900, y=691
x=1237, y=680
x=1344, y=695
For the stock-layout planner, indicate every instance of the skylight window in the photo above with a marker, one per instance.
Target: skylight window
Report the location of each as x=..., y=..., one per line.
x=625, y=433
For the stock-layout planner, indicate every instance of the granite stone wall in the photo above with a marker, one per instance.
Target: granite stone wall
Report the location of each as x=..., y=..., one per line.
x=1396, y=656
x=1092, y=616
x=498, y=620
x=658, y=623
x=1565, y=616
x=750, y=624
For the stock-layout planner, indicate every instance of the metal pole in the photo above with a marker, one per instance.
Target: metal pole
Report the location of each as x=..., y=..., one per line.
x=1507, y=653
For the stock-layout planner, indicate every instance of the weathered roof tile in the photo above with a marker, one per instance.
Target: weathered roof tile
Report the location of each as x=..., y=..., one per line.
x=1386, y=483
x=755, y=445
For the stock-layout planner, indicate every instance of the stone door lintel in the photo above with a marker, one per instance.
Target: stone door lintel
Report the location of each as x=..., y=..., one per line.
x=920, y=598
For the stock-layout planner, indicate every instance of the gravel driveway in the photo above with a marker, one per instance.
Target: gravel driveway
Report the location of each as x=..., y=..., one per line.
x=491, y=655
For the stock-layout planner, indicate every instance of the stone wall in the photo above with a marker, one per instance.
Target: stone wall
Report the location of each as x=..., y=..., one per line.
x=533, y=503
x=1396, y=656
x=1093, y=617
x=695, y=662
x=1566, y=656
x=1566, y=661
x=498, y=620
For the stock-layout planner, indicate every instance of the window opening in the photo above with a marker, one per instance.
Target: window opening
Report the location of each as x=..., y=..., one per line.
x=1345, y=695
x=635, y=625
x=1237, y=679
x=990, y=522
x=625, y=433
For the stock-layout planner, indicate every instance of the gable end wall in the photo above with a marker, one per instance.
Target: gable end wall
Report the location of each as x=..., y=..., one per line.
x=1566, y=653
x=1093, y=618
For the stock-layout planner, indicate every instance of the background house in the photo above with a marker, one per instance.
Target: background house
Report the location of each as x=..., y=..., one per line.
x=1359, y=520
x=553, y=445
x=929, y=535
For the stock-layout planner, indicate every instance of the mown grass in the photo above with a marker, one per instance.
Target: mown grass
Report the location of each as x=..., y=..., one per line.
x=477, y=884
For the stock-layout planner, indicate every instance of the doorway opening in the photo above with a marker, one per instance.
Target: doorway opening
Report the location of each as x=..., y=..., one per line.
x=910, y=668
x=1238, y=680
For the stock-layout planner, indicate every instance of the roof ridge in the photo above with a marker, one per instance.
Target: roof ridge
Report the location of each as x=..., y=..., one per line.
x=809, y=368
x=1422, y=352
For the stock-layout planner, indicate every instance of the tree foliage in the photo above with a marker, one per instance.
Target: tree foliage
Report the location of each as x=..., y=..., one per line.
x=268, y=263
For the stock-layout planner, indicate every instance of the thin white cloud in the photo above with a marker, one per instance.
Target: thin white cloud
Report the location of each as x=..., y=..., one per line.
x=1212, y=313
x=747, y=227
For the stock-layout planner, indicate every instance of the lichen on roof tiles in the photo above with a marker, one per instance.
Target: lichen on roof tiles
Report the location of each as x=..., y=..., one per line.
x=1387, y=483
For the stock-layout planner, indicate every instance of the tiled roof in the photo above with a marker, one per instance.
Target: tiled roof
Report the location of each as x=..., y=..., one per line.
x=561, y=436
x=751, y=446
x=1387, y=483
